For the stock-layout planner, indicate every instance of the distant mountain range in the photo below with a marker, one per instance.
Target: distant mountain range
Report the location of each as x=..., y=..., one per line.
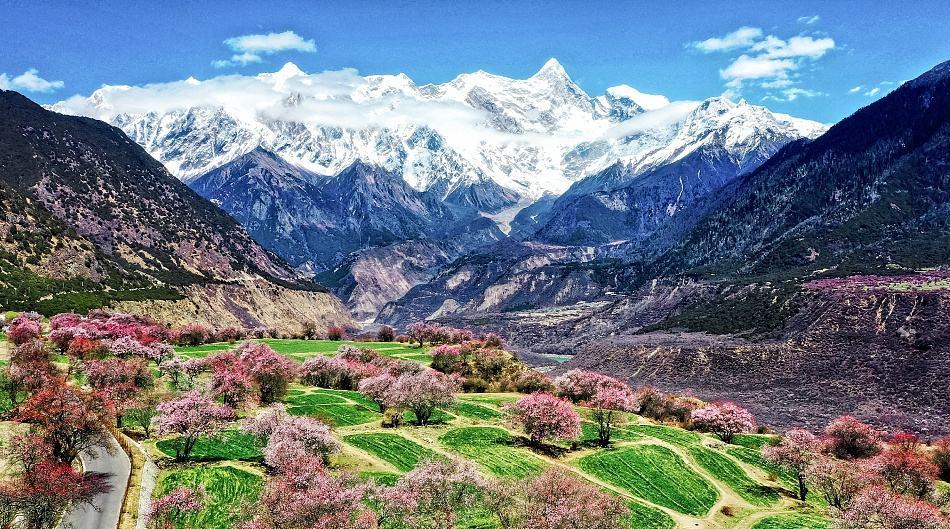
x=535, y=159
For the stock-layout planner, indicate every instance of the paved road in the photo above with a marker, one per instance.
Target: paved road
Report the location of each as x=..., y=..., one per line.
x=116, y=466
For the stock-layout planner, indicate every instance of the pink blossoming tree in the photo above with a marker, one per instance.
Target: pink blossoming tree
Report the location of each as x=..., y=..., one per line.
x=607, y=408
x=543, y=417
x=795, y=453
x=190, y=417
x=723, y=419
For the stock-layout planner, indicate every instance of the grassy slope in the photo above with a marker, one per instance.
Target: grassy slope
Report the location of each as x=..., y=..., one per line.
x=667, y=475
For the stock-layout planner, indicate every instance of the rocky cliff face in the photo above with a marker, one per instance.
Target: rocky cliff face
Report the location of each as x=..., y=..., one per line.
x=250, y=304
x=881, y=356
x=89, y=191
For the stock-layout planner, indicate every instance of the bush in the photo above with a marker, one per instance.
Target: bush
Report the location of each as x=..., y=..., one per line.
x=385, y=334
x=335, y=333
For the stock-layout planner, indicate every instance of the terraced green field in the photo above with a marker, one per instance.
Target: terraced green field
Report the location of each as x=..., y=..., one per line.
x=644, y=517
x=396, y=450
x=754, y=458
x=476, y=411
x=232, y=445
x=753, y=440
x=654, y=473
x=303, y=349
x=792, y=521
x=729, y=472
x=227, y=489
x=674, y=436
x=493, y=449
x=590, y=434
x=334, y=410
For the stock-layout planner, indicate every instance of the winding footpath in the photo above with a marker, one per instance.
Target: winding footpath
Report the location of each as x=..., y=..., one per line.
x=105, y=509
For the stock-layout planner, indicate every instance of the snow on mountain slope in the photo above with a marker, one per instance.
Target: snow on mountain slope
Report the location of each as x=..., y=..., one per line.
x=479, y=140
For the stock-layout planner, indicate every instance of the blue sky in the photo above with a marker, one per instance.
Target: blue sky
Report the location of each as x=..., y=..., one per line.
x=805, y=58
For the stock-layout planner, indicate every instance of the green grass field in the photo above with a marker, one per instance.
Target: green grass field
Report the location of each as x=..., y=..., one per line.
x=674, y=436
x=331, y=409
x=227, y=489
x=655, y=474
x=645, y=517
x=792, y=521
x=303, y=349
x=753, y=440
x=476, y=411
x=232, y=445
x=394, y=449
x=493, y=449
x=723, y=468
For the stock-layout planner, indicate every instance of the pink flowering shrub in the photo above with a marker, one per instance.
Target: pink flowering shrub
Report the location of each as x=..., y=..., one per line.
x=230, y=380
x=905, y=470
x=578, y=385
x=878, y=508
x=847, y=437
x=192, y=334
x=171, y=511
x=23, y=329
x=190, y=417
x=795, y=453
x=288, y=439
x=270, y=372
x=432, y=495
x=543, y=417
x=724, y=419
x=555, y=500
x=422, y=393
x=839, y=480
x=304, y=496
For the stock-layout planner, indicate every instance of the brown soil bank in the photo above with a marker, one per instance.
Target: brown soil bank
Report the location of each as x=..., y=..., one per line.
x=881, y=356
x=250, y=304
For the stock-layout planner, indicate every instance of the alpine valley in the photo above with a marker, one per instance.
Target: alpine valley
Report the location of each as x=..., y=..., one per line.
x=711, y=246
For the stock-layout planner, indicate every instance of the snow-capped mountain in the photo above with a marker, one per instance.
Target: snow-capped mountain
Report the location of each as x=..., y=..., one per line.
x=482, y=140
x=321, y=166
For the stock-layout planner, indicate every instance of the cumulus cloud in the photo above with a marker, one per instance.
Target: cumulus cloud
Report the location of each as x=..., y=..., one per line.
x=250, y=48
x=738, y=39
x=856, y=89
x=791, y=94
x=873, y=92
x=767, y=61
x=808, y=21
x=29, y=81
x=800, y=46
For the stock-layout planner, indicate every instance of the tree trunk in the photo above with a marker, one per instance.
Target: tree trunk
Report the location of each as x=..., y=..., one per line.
x=802, y=488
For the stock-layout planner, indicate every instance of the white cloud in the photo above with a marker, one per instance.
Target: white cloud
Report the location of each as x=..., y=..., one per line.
x=29, y=81
x=873, y=92
x=250, y=48
x=738, y=39
x=805, y=47
x=791, y=94
x=767, y=61
x=747, y=67
x=856, y=89
x=809, y=20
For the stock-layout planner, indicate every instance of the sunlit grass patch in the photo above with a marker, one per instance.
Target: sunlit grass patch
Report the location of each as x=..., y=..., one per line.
x=729, y=472
x=654, y=473
x=392, y=448
x=493, y=449
x=227, y=489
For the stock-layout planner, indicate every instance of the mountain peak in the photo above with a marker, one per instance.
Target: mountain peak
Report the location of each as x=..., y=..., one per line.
x=551, y=69
x=288, y=71
x=645, y=101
